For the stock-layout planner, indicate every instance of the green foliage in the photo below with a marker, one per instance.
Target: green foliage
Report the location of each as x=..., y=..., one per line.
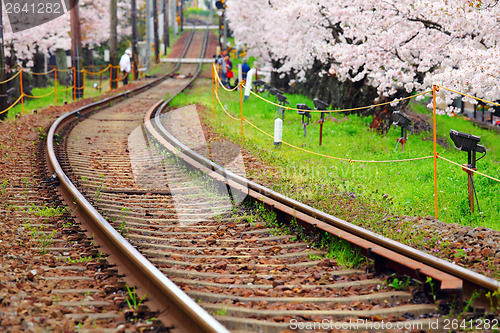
x=122, y=228
x=400, y=284
x=197, y=11
x=100, y=187
x=133, y=300
x=3, y=186
x=494, y=297
x=79, y=260
x=341, y=251
x=42, y=238
x=432, y=286
x=31, y=104
x=384, y=188
x=47, y=211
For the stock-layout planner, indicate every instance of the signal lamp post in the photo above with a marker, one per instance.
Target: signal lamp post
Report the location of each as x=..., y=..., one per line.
x=221, y=12
x=283, y=102
x=320, y=105
x=304, y=111
x=469, y=143
x=401, y=120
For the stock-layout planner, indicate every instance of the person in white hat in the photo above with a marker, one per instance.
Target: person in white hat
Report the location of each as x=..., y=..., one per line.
x=125, y=66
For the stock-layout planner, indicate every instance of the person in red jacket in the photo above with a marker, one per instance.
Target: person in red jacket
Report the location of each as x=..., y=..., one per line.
x=229, y=70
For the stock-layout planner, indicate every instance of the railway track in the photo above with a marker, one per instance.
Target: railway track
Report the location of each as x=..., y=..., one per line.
x=229, y=258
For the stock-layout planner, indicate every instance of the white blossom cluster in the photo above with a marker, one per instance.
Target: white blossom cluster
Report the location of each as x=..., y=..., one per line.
x=55, y=34
x=402, y=46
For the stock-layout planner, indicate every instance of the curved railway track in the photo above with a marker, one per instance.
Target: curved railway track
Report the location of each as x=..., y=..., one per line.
x=140, y=200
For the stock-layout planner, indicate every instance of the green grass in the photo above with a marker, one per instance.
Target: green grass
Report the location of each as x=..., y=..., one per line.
x=404, y=188
x=31, y=104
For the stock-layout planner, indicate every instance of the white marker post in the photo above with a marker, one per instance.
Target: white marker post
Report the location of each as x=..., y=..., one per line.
x=248, y=84
x=278, y=131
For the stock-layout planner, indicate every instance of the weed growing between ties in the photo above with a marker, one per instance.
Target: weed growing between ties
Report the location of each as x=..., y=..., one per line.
x=122, y=228
x=133, y=299
x=336, y=249
x=42, y=238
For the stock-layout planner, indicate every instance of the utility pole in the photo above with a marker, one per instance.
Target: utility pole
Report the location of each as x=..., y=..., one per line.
x=148, y=33
x=113, y=43
x=3, y=87
x=166, y=30
x=155, y=27
x=134, y=39
x=221, y=12
x=175, y=25
x=76, y=47
x=182, y=15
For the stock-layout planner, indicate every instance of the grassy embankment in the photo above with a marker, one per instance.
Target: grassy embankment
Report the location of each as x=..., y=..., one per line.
x=381, y=190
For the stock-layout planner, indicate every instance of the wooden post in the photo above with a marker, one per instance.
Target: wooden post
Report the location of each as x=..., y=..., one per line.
x=55, y=87
x=83, y=90
x=74, y=83
x=434, y=90
x=22, y=91
x=470, y=189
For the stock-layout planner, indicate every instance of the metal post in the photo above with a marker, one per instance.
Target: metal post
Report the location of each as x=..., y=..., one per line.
x=148, y=34
x=134, y=38
x=155, y=32
x=166, y=29
x=470, y=190
x=322, y=120
x=76, y=45
x=181, y=15
x=225, y=27
x=434, y=90
x=174, y=18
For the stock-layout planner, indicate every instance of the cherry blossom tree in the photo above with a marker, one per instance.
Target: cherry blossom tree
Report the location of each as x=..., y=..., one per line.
x=398, y=47
x=55, y=34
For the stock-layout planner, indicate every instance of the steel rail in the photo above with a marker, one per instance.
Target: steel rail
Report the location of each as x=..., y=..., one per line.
x=175, y=306
x=384, y=250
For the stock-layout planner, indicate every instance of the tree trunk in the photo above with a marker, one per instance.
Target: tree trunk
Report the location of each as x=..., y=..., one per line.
x=38, y=67
x=62, y=73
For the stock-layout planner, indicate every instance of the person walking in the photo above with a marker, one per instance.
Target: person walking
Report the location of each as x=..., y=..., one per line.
x=244, y=70
x=229, y=71
x=125, y=65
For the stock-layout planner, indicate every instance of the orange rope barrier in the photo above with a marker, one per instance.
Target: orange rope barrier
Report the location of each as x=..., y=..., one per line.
x=45, y=73
x=10, y=107
x=319, y=154
x=468, y=169
x=11, y=78
x=97, y=73
x=41, y=96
